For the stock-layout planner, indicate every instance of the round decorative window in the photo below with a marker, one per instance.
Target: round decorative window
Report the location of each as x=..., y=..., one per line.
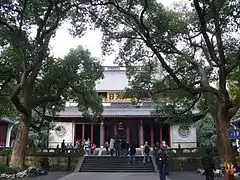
x=184, y=131
x=60, y=131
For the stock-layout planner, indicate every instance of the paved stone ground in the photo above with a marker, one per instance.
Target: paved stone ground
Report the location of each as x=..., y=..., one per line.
x=111, y=176
x=183, y=175
x=49, y=176
x=119, y=176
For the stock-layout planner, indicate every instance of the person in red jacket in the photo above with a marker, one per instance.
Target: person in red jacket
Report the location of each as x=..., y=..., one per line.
x=93, y=148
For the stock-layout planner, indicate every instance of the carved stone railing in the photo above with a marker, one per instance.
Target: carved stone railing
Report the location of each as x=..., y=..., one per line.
x=185, y=152
x=47, y=151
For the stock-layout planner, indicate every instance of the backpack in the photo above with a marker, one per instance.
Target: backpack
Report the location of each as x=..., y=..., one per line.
x=208, y=162
x=146, y=149
x=161, y=159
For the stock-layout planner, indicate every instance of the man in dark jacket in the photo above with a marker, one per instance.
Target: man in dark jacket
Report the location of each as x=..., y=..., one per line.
x=161, y=161
x=132, y=153
x=208, y=165
x=117, y=145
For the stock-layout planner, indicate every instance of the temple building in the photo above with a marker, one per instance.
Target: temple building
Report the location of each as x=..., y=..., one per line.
x=138, y=122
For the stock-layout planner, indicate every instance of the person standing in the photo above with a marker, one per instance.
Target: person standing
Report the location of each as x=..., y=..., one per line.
x=161, y=161
x=106, y=145
x=111, y=146
x=117, y=146
x=208, y=165
x=146, y=152
x=63, y=146
x=124, y=148
x=132, y=153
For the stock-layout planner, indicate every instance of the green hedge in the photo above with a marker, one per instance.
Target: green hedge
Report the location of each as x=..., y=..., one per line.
x=5, y=151
x=7, y=170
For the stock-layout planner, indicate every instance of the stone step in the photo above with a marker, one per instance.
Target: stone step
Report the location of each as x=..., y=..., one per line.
x=114, y=164
x=117, y=165
x=119, y=170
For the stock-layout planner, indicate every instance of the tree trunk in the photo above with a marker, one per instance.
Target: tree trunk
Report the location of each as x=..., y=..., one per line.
x=20, y=145
x=225, y=149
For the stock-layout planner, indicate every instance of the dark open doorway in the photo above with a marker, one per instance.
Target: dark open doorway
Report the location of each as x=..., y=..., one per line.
x=166, y=133
x=134, y=132
x=78, y=132
x=87, y=132
x=156, y=134
x=146, y=130
x=96, y=134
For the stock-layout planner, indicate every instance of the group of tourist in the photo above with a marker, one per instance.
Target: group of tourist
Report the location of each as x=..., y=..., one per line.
x=118, y=147
x=88, y=147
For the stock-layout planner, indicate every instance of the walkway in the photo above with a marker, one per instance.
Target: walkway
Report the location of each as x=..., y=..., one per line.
x=115, y=176
x=118, y=176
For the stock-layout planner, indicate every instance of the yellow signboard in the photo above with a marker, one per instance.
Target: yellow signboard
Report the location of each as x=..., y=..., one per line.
x=114, y=97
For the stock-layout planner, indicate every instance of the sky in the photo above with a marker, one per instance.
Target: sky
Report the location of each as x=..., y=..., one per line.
x=63, y=41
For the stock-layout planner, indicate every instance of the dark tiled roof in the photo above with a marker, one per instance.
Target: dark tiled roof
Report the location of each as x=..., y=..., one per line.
x=107, y=112
x=116, y=109
x=6, y=119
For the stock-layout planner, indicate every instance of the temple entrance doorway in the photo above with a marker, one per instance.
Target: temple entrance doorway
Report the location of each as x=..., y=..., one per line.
x=87, y=133
x=78, y=132
x=157, y=133
x=146, y=133
x=96, y=134
x=166, y=133
x=133, y=134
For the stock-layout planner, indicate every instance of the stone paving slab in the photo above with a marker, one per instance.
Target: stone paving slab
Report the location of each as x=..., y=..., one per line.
x=111, y=176
x=49, y=176
x=189, y=175
x=119, y=176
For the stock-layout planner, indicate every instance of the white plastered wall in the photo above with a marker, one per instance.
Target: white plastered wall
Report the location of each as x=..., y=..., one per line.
x=54, y=140
x=184, y=142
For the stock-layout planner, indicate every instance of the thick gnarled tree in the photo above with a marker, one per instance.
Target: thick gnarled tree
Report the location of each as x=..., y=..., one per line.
x=32, y=78
x=197, y=50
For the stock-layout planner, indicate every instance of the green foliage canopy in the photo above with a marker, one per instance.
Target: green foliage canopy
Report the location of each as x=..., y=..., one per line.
x=176, y=56
x=206, y=134
x=30, y=77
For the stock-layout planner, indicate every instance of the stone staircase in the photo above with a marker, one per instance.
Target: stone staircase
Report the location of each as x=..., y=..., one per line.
x=114, y=164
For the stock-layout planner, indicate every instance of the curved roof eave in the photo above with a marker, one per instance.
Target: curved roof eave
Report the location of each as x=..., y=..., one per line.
x=7, y=120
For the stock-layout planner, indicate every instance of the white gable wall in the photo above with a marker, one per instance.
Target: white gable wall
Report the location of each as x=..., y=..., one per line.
x=113, y=81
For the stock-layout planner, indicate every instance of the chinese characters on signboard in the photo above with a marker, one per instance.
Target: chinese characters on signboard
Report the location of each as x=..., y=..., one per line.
x=234, y=134
x=113, y=97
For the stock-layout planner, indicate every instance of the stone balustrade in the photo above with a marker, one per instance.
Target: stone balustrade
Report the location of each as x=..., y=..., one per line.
x=49, y=158
x=62, y=160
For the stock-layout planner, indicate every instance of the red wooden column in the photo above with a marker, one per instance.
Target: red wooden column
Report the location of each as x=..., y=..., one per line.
x=169, y=136
x=128, y=133
x=92, y=140
x=83, y=132
x=102, y=135
x=141, y=135
x=160, y=136
x=152, y=136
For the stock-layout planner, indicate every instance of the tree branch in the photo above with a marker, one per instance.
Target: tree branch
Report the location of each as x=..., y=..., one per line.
x=22, y=17
x=191, y=106
x=43, y=22
x=204, y=32
x=45, y=99
x=42, y=115
x=7, y=25
x=15, y=99
x=209, y=89
x=5, y=83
